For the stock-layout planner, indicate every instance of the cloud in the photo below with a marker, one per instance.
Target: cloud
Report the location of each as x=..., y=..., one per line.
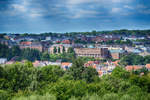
x=67, y=8
x=20, y=8
x=96, y=1
x=115, y=10
x=146, y=11
x=128, y=7
x=84, y=14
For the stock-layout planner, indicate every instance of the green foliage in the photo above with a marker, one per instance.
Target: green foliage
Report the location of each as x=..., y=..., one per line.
x=18, y=54
x=18, y=76
x=79, y=72
x=65, y=57
x=70, y=50
x=4, y=95
x=45, y=56
x=6, y=52
x=64, y=49
x=50, y=74
x=24, y=82
x=36, y=97
x=30, y=54
x=55, y=50
x=132, y=59
x=66, y=89
x=58, y=49
x=119, y=72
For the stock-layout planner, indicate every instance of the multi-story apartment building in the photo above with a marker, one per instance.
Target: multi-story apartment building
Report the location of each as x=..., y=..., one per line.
x=31, y=45
x=92, y=52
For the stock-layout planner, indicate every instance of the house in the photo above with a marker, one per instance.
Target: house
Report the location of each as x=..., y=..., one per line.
x=101, y=68
x=66, y=65
x=133, y=50
x=45, y=63
x=145, y=53
x=115, y=54
x=66, y=42
x=3, y=60
x=10, y=62
x=48, y=38
x=147, y=66
x=32, y=45
x=133, y=67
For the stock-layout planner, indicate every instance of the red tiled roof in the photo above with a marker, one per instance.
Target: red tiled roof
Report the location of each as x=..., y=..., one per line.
x=94, y=66
x=148, y=66
x=116, y=62
x=26, y=43
x=90, y=62
x=130, y=68
x=65, y=64
x=36, y=63
x=100, y=73
x=66, y=41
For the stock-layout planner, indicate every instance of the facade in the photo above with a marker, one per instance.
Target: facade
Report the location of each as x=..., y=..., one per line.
x=66, y=65
x=3, y=60
x=92, y=52
x=133, y=67
x=31, y=45
x=116, y=53
x=60, y=48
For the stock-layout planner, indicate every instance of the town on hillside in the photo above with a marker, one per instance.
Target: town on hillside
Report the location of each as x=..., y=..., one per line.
x=103, y=51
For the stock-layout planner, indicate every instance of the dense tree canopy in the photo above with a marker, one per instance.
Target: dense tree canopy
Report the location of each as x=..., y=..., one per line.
x=133, y=59
x=23, y=82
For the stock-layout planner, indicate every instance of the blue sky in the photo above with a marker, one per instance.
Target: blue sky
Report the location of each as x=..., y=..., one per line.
x=35, y=16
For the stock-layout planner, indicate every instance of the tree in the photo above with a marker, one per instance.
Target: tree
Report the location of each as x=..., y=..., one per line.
x=58, y=49
x=55, y=50
x=18, y=76
x=146, y=59
x=89, y=74
x=77, y=69
x=79, y=72
x=119, y=72
x=63, y=49
x=45, y=56
x=30, y=54
x=132, y=59
x=70, y=50
x=50, y=74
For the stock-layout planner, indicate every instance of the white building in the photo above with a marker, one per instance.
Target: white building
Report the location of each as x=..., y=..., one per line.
x=3, y=60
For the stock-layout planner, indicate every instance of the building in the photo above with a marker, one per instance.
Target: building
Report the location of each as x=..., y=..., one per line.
x=147, y=66
x=116, y=54
x=66, y=65
x=45, y=63
x=66, y=42
x=133, y=67
x=59, y=48
x=92, y=52
x=3, y=60
x=48, y=38
x=31, y=45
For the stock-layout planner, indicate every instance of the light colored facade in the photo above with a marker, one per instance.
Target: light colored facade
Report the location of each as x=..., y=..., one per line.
x=3, y=60
x=59, y=46
x=92, y=52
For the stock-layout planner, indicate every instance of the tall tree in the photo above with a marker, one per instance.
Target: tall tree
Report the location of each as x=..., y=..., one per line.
x=55, y=50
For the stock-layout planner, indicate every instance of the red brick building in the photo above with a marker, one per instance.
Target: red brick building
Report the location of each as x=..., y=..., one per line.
x=31, y=45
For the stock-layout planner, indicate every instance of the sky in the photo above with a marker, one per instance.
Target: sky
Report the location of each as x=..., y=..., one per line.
x=36, y=16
